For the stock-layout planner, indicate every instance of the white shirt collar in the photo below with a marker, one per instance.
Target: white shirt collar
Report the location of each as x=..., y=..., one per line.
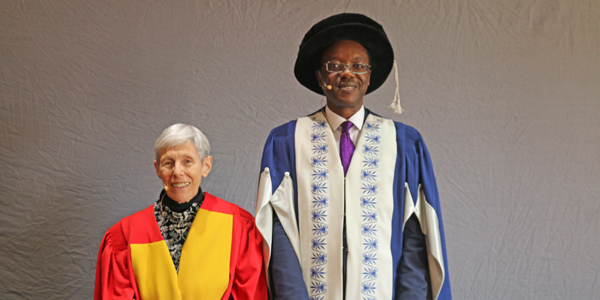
x=336, y=120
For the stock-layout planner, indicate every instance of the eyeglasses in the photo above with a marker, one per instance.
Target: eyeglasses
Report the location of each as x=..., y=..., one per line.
x=338, y=67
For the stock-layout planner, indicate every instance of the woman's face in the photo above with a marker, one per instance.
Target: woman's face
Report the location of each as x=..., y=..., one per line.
x=181, y=170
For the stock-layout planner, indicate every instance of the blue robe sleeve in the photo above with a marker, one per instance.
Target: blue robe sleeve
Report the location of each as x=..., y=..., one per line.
x=285, y=273
x=430, y=192
x=413, y=280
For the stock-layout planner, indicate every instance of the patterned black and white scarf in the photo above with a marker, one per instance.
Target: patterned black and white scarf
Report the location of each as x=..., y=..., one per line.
x=174, y=225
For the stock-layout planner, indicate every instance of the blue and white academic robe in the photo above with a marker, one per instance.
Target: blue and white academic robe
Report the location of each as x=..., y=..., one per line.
x=390, y=179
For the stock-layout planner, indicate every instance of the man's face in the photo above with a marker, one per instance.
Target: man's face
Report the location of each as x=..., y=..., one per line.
x=347, y=89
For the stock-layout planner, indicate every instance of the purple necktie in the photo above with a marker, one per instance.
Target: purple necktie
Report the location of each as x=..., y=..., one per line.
x=346, y=146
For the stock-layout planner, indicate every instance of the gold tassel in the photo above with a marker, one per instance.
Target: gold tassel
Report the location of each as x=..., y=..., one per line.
x=395, y=105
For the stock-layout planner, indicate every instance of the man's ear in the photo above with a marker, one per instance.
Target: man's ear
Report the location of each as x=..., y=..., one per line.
x=320, y=79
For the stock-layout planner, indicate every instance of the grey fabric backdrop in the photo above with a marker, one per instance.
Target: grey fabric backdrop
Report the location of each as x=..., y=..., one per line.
x=506, y=94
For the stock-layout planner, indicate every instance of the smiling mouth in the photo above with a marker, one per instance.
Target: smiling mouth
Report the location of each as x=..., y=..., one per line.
x=180, y=185
x=347, y=87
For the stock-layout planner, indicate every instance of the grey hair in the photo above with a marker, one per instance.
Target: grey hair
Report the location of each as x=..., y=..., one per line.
x=178, y=134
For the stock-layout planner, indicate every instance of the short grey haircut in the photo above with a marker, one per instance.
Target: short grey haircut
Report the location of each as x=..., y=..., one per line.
x=179, y=134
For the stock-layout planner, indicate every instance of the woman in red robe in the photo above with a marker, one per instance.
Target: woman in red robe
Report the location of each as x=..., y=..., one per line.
x=188, y=244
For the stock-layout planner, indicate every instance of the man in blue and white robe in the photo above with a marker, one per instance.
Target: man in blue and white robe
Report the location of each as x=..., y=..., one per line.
x=373, y=233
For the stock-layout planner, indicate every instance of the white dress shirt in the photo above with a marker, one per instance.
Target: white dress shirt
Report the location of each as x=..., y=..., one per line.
x=335, y=122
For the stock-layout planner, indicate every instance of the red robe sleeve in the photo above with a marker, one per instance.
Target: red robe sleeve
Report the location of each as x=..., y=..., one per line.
x=249, y=281
x=114, y=274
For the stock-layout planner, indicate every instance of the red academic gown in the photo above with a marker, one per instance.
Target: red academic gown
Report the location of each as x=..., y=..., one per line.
x=221, y=258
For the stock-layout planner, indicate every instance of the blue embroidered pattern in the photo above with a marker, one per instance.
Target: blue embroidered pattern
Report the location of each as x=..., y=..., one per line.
x=368, y=202
x=318, y=161
x=320, y=205
x=319, y=148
